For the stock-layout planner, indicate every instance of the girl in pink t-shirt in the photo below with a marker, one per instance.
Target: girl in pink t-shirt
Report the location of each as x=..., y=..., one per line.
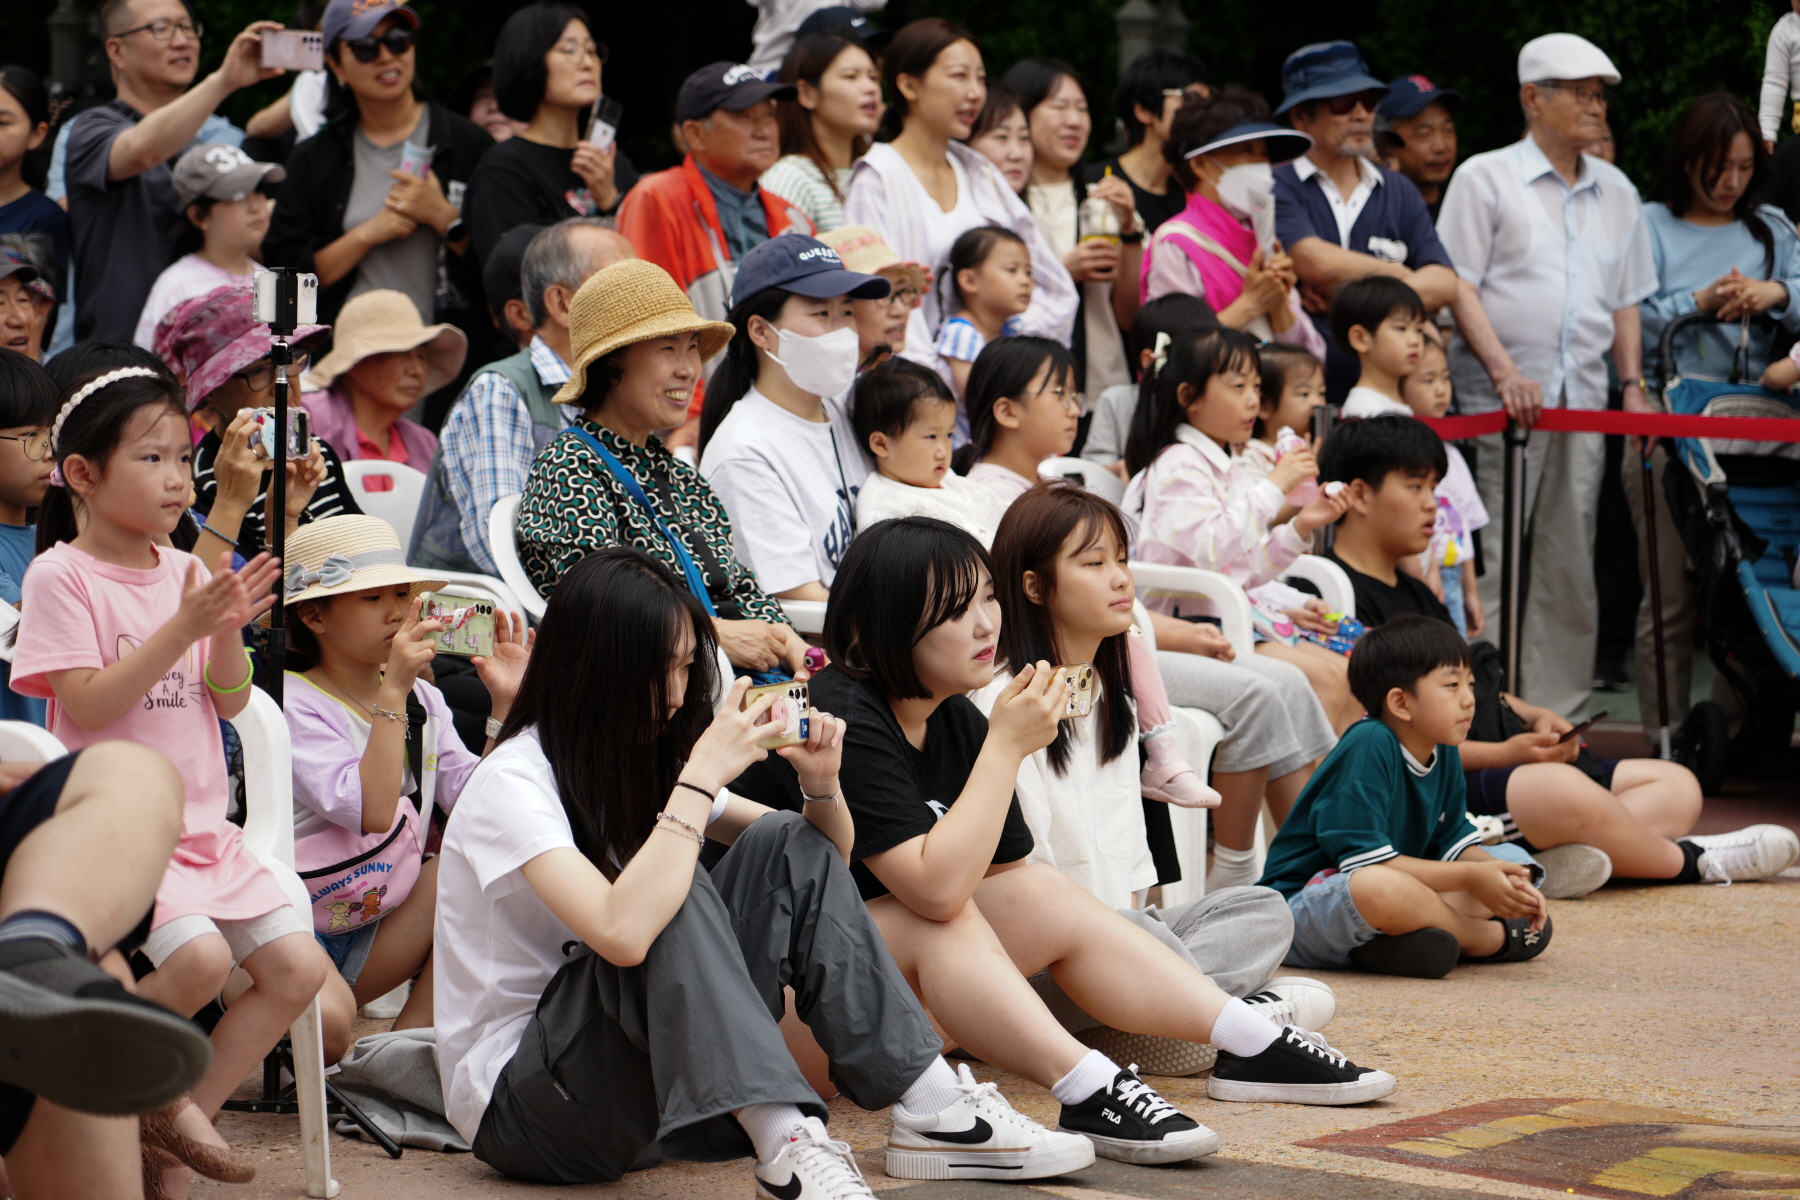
x=134, y=641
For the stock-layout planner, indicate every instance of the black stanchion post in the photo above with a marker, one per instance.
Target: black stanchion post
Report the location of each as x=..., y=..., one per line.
x=1647, y=446
x=1512, y=552
x=1323, y=418
x=285, y=300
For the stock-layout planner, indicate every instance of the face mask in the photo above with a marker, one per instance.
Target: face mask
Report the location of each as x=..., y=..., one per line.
x=1247, y=192
x=823, y=365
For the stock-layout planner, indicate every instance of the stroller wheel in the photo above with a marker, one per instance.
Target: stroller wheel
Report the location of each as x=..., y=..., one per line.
x=1702, y=745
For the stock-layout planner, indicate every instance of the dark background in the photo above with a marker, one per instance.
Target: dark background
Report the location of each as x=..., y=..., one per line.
x=1668, y=50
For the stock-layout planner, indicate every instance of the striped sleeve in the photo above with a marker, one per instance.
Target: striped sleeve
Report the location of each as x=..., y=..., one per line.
x=1367, y=858
x=1471, y=838
x=960, y=340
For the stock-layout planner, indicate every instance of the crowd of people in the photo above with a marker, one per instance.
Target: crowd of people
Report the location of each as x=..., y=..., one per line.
x=819, y=359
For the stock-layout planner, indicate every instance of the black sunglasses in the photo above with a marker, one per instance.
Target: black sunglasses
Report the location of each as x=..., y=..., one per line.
x=368, y=49
x=1342, y=106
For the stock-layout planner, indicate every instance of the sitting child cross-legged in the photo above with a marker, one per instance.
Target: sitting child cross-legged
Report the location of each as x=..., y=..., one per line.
x=1584, y=818
x=375, y=751
x=1379, y=861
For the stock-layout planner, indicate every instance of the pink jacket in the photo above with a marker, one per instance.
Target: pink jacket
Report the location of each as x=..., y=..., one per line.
x=335, y=423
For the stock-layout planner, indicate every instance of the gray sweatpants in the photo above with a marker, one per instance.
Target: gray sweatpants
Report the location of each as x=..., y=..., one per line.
x=622, y=1066
x=1272, y=717
x=1236, y=937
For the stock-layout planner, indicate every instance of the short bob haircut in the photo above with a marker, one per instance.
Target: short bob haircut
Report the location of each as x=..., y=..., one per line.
x=28, y=395
x=1373, y=449
x=1368, y=302
x=887, y=397
x=1399, y=653
x=899, y=580
x=520, y=74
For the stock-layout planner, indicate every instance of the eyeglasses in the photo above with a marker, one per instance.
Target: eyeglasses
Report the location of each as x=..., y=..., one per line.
x=574, y=50
x=162, y=31
x=1343, y=106
x=1587, y=97
x=36, y=443
x=368, y=49
x=1072, y=402
x=1194, y=91
x=260, y=374
x=903, y=297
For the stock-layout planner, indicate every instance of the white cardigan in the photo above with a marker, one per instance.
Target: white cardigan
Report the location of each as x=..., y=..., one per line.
x=880, y=196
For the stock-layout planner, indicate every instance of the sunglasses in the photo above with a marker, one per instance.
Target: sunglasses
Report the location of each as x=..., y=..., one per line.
x=368, y=49
x=1343, y=106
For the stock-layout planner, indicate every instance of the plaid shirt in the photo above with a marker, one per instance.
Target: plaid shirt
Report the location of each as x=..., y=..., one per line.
x=485, y=447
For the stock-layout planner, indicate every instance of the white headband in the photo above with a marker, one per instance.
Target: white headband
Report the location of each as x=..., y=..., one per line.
x=88, y=389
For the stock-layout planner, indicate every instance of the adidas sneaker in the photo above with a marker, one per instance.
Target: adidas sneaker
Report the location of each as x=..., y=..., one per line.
x=980, y=1136
x=1297, y=1068
x=1128, y=1121
x=812, y=1166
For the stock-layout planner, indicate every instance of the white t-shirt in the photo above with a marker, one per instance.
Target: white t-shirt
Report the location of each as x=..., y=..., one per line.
x=306, y=104
x=182, y=280
x=1361, y=403
x=497, y=945
x=964, y=504
x=789, y=486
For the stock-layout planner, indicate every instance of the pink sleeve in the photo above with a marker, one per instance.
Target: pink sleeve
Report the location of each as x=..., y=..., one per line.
x=1168, y=270
x=327, y=767
x=58, y=629
x=1220, y=529
x=455, y=763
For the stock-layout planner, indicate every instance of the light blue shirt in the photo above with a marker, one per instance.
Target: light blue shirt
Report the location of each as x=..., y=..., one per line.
x=1688, y=258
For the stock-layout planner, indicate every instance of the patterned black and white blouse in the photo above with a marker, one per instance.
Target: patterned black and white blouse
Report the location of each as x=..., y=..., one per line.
x=333, y=498
x=573, y=505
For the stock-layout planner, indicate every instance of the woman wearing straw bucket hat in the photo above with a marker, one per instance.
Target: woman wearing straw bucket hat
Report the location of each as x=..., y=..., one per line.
x=608, y=480
x=375, y=751
x=383, y=364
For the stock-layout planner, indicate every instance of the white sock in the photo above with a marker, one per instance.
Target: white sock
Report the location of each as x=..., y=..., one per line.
x=932, y=1092
x=1090, y=1075
x=1243, y=1031
x=768, y=1126
x=1231, y=868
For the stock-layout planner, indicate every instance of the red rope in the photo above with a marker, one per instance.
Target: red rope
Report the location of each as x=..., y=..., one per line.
x=1571, y=420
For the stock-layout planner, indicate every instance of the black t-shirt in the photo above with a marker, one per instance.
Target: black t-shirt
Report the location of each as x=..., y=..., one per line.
x=1378, y=602
x=521, y=182
x=1154, y=209
x=895, y=793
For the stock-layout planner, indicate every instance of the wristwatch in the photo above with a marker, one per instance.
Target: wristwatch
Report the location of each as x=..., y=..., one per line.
x=493, y=727
x=456, y=231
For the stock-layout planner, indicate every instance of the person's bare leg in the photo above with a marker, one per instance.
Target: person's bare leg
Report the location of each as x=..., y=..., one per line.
x=967, y=981
x=1396, y=903
x=1240, y=806
x=66, y=1155
x=190, y=978
x=1554, y=804
x=1663, y=796
x=1113, y=969
x=288, y=972
x=337, y=1016
x=402, y=950
x=1283, y=792
x=1329, y=675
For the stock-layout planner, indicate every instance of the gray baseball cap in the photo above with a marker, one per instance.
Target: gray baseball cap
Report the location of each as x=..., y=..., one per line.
x=220, y=172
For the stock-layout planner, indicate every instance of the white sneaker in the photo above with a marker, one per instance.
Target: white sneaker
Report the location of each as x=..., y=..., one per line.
x=1573, y=869
x=980, y=1136
x=1295, y=1000
x=812, y=1167
x=1755, y=852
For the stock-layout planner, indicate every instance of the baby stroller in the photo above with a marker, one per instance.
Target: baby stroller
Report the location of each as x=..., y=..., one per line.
x=1737, y=507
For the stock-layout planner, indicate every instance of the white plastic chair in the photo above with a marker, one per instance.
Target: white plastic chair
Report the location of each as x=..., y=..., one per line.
x=1090, y=475
x=806, y=616
x=1198, y=733
x=21, y=741
x=399, y=505
x=503, y=523
x=269, y=833
x=1333, y=584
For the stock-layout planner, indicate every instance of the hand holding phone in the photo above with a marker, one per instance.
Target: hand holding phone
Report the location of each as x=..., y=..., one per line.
x=788, y=720
x=1584, y=726
x=603, y=128
x=1079, y=679
x=293, y=50
x=468, y=624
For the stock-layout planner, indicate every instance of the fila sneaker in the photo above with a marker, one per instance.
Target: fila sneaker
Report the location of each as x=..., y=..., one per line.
x=1128, y=1121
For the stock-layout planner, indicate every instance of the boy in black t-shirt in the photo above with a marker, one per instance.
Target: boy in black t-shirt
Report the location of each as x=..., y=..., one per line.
x=1585, y=819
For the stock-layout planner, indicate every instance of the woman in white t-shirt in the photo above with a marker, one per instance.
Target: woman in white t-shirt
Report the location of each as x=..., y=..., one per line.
x=775, y=437
x=603, y=1000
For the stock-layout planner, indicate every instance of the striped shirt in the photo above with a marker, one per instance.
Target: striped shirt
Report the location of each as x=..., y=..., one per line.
x=333, y=499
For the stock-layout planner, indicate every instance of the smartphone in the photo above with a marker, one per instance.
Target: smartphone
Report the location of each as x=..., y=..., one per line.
x=1080, y=681
x=415, y=160
x=788, y=714
x=1584, y=726
x=299, y=434
x=293, y=49
x=604, y=127
x=468, y=624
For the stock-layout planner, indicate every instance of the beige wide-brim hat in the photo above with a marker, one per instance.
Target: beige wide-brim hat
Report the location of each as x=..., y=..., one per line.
x=865, y=252
x=340, y=555
x=385, y=322
x=630, y=301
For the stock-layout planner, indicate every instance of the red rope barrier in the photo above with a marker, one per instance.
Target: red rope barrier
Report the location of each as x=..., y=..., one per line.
x=1571, y=420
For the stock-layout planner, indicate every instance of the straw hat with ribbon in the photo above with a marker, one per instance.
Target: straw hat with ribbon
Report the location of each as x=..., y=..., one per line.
x=340, y=555
x=628, y=302
x=385, y=322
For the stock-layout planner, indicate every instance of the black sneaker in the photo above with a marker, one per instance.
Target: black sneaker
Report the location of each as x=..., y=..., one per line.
x=1297, y=1068
x=1521, y=942
x=1128, y=1121
x=71, y=1034
x=1421, y=954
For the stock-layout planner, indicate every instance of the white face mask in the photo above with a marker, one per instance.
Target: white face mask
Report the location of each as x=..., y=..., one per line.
x=1247, y=192
x=823, y=365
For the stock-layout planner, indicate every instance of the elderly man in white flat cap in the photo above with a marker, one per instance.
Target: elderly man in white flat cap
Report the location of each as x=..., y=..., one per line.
x=1554, y=240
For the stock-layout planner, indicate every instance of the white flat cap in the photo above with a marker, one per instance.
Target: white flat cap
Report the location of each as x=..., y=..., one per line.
x=1564, y=56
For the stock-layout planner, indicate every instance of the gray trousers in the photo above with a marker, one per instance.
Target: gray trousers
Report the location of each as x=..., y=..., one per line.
x=622, y=1066
x=1271, y=715
x=1236, y=937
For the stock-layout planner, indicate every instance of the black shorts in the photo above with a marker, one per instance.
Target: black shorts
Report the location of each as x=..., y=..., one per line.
x=22, y=810
x=1487, y=793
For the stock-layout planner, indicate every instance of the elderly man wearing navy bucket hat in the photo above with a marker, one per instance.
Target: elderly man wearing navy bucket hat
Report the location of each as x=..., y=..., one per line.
x=1340, y=216
x=1556, y=243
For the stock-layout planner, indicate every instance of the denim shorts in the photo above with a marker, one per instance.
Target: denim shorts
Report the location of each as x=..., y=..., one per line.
x=348, y=951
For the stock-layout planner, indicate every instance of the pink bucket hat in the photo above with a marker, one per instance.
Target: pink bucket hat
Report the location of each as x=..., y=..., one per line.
x=210, y=338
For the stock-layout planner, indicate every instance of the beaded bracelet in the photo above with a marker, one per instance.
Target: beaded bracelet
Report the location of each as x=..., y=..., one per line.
x=224, y=691
x=685, y=826
x=389, y=713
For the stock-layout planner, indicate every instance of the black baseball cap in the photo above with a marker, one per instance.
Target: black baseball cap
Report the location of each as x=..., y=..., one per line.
x=1410, y=95
x=727, y=85
x=500, y=274
x=840, y=21
x=806, y=266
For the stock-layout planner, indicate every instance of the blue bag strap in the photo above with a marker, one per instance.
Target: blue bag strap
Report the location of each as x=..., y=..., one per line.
x=695, y=580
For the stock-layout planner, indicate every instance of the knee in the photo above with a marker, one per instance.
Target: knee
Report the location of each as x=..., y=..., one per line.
x=290, y=970
x=197, y=971
x=1382, y=893
x=1679, y=798
x=337, y=1017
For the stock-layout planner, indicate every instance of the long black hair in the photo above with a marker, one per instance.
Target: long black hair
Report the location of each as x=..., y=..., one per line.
x=520, y=74
x=597, y=690
x=1035, y=79
x=1005, y=368
x=94, y=430
x=28, y=89
x=1195, y=356
x=1704, y=135
x=1031, y=538
x=912, y=51
x=736, y=373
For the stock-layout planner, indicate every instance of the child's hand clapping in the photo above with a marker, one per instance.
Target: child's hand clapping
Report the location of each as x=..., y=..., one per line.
x=229, y=600
x=413, y=649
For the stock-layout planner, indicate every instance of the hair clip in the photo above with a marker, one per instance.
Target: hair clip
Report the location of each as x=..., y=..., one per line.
x=56, y=477
x=88, y=389
x=1159, y=354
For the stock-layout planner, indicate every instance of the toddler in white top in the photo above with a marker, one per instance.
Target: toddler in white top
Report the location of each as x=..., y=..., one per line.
x=1781, y=74
x=905, y=415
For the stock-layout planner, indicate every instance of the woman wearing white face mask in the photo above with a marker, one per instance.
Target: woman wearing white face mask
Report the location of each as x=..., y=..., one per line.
x=775, y=435
x=1222, y=247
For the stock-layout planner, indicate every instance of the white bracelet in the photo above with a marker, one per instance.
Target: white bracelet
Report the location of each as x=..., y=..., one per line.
x=831, y=799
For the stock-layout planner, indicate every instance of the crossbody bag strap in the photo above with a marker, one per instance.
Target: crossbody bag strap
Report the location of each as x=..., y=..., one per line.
x=1206, y=243
x=690, y=570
